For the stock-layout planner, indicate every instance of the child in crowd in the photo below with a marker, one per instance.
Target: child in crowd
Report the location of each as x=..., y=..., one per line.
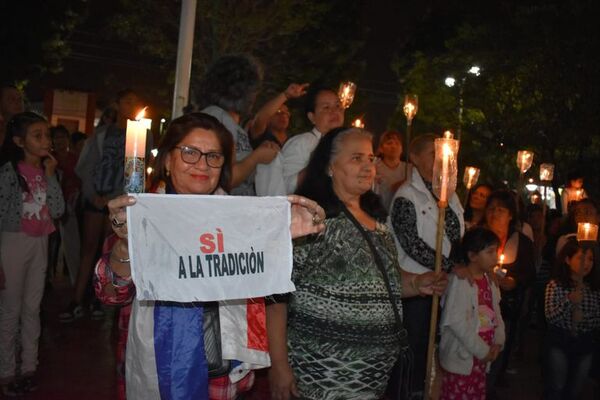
x=573, y=313
x=30, y=198
x=471, y=326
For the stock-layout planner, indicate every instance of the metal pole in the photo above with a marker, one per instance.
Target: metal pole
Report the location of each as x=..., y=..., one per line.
x=185, y=48
x=430, y=373
x=460, y=109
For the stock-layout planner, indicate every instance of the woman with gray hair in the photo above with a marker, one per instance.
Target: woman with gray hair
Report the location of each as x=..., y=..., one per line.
x=228, y=91
x=344, y=330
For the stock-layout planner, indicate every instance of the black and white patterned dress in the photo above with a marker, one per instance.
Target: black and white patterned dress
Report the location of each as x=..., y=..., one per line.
x=342, y=334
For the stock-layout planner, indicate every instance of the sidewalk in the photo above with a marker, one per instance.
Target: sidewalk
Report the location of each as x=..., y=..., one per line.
x=77, y=359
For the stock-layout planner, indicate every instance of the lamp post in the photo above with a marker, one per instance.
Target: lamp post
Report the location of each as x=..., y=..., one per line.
x=451, y=82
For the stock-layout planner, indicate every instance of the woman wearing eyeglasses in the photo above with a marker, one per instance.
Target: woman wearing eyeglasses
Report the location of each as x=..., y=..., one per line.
x=165, y=342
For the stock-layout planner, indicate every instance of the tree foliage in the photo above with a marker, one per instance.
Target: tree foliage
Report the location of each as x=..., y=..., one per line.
x=295, y=40
x=33, y=36
x=537, y=88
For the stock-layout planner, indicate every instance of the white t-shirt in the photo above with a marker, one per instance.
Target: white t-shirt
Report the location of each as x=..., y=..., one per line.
x=280, y=177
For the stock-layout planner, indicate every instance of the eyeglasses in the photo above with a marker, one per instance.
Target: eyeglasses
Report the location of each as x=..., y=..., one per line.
x=190, y=155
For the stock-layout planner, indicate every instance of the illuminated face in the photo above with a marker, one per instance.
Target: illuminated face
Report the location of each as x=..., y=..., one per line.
x=497, y=216
x=391, y=147
x=581, y=263
x=37, y=142
x=486, y=259
x=61, y=142
x=479, y=197
x=280, y=120
x=353, y=167
x=329, y=113
x=198, y=177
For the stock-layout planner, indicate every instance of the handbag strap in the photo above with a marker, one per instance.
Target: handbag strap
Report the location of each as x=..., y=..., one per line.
x=386, y=280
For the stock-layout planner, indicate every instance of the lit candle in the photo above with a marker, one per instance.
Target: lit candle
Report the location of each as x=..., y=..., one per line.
x=358, y=123
x=524, y=160
x=587, y=231
x=546, y=172
x=579, y=194
x=446, y=153
x=411, y=104
x=471, y=176
x=346, y=93
x=135, y=152
x=498, y=269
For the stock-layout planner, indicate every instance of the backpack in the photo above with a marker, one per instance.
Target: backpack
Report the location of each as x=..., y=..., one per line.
x=108, y=174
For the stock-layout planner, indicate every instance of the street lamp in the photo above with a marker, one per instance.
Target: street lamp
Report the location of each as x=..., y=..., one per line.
x=451, y=82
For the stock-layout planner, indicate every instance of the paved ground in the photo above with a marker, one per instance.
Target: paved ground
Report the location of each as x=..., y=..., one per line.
x=77, y=359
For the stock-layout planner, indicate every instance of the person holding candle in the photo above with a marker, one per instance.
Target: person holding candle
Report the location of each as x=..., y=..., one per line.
x=471, y=327
x=391, y=170
x=100, y=168
x=342, y=331
x=195, y=157
x=414, y=219
x=30, y=198
x=229, y=90
x=573, y=312
x=501, y=218
x=573, y=191
x=475, y=207
x=585, y=210
x=283, y=175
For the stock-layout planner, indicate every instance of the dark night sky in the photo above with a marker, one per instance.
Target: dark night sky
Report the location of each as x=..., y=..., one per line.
x=105, y=66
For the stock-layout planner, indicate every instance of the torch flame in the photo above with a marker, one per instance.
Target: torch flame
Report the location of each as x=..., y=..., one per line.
x=141, y=114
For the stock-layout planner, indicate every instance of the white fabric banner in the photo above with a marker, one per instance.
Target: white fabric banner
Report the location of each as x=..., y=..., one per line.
x=206, y=248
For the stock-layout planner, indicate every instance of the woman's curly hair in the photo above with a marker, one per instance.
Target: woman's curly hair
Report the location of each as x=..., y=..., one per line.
x=232, y=83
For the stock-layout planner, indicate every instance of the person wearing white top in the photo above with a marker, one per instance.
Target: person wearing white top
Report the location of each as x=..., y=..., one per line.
x=281, y=176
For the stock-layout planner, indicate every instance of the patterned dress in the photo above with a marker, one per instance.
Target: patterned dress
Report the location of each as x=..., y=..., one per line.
x=342, y=335
x=472, y=387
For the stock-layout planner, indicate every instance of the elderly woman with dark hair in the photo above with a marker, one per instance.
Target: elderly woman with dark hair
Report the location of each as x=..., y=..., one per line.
x=228, y=91
x=344, y=321
x=517, y=254
x=165, y=342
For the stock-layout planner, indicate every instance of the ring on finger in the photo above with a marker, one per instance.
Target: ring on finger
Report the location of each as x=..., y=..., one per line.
x=316, y=220
x=116, y=223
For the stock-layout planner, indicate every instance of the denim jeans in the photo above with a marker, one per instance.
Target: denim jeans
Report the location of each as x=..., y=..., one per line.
x=567, y=363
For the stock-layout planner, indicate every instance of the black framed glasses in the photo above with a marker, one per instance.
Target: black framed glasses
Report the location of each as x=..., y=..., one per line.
x=191, y=155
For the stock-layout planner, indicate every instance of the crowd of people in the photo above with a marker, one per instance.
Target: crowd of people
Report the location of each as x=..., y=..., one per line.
x=364, y=225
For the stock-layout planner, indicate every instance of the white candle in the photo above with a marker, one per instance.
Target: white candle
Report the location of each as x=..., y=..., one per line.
x=446, y=153
x=587, y=231
x=135, y=141
x=135, y=153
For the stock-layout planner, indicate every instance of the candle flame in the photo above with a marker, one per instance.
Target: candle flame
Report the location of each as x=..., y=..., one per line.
x=472, y=171
x=358, y=123
x=501, y=259
x=141, y=114
x=446, y=150
x=448, y=135
x=149, y=170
